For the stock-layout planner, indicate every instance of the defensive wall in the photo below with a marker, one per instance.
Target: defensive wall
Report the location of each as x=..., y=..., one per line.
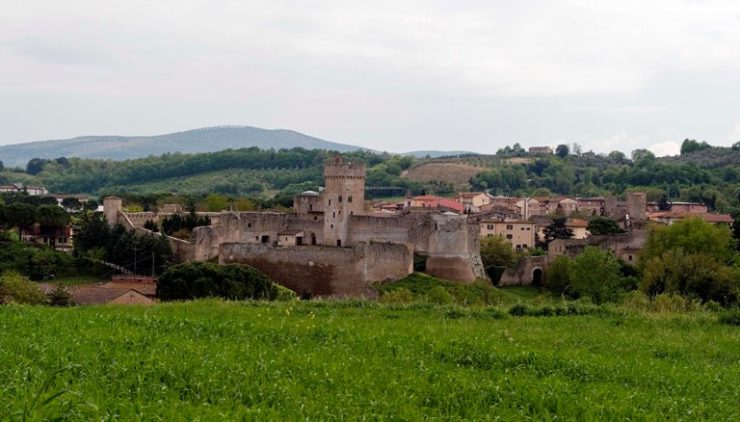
x=324, y=270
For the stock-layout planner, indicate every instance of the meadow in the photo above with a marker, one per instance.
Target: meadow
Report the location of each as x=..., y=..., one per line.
x=215, y=360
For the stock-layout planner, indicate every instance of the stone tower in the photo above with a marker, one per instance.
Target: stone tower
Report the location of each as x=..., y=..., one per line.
x=637, y=206
x=343, y=196
x=112, y=207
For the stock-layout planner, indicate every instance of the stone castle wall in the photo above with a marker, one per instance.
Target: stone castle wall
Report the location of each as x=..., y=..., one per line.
x=323, y=270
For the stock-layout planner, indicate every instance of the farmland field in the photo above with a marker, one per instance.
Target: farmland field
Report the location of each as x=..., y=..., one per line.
x=215, y=360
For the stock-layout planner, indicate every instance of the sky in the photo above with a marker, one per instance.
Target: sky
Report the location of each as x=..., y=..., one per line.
x=396, y=75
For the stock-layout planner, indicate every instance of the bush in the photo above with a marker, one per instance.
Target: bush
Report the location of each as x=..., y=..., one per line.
x=519, y=309
x=731, y=317
x=400, y=295
x=59, y=296
x=284, y=294
x=203, y=279
x=438, y=295
x=18, y=289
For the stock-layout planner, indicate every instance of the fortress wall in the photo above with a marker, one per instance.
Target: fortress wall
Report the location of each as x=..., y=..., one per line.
x=255, y=225
x=365, y=228
x=324, y=271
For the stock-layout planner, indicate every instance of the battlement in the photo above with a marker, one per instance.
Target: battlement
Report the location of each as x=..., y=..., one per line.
x=339, y=167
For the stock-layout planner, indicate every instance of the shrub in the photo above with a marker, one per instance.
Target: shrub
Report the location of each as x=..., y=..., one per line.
x=59, y=296
x=558, y=277
x=438, y=295
x=731, y=317
x=284, y=294
x=18, y=289
x=400, y=295
x=519, y=309
x=698, y=274
x=204, y=279
x=595, y=274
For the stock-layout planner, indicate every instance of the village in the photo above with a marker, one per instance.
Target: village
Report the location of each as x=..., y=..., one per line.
x=335, y=243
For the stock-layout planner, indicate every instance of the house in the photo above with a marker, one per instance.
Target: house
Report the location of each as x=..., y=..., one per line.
x=680, y=207
x=591, y=206
x=520, y=233
x=540, y=151
x=474, y=201
x=670, y=217
x=20, y=188
x=101, y=295
x=579, y=227
x=60, y=238
x=435, y=202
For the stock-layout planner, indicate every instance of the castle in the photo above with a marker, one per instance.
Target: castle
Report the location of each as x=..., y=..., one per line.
x=329, y=245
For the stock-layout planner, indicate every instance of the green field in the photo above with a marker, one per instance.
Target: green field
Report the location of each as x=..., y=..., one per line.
x=214, y=360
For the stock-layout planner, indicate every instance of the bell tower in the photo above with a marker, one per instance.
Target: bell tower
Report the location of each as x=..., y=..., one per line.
x=343, y=197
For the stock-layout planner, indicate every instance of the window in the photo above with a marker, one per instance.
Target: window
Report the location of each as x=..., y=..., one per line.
x=330, y=202
x=340, y=198
x=249, y=224
x=339, y=243
x=509, y=236
x=334, y=214
x=528, y=228
x=349, y=198
x=310, y=207
x=489, y=235
x=509, y=227
x=629, y=257
x=490, y=227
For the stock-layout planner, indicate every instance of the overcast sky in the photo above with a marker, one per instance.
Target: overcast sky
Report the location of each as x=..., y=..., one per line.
x=392, y=75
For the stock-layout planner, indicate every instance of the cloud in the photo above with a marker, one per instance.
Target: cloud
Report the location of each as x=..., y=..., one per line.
x=662, y=149
x=386, y=74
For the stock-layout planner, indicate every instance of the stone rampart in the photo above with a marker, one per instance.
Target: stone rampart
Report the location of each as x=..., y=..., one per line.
x=322, y=270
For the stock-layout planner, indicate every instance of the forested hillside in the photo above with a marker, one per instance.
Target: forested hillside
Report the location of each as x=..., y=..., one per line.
x=209, y=139
x=709, y=175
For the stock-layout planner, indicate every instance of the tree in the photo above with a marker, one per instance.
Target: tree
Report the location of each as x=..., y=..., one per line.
x=697, y=275
x=664, y=204
x=691, y=145
x=557, y=230
x=693, y=236
x=496, y=252
x=194, y=280
x=216, y=203
x=642, y=157
x=601, y=226
x=71, y=203
x=595, y=273
x=35, y=165
x=562, y=150
x=617, y=157
x=51, y=218
x=558, y=274
x=20, y=215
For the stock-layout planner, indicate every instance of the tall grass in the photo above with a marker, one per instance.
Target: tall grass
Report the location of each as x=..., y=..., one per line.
x=213, y=360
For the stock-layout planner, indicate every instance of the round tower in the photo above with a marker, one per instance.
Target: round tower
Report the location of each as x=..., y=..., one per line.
x=343, y=196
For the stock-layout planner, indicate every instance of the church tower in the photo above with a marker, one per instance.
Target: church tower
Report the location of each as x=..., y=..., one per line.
x=343, y=197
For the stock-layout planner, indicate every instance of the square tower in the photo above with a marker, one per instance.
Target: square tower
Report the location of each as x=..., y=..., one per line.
x=343, y=196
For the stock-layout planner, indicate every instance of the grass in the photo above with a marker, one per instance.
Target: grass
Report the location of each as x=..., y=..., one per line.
x=479, y=293
x=213, y=360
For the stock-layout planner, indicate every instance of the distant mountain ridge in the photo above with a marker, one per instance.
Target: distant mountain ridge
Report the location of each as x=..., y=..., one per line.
x=210, y=139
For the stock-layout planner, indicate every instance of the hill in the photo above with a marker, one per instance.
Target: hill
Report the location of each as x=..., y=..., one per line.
x=209, y=139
